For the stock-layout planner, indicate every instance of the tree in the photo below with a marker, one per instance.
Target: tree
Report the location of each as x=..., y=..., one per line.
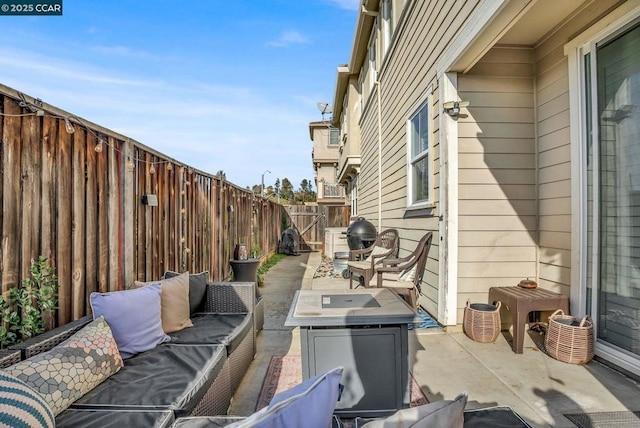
x=276, y=187
x=287, y=189
x=306, y=193
x=257, y=189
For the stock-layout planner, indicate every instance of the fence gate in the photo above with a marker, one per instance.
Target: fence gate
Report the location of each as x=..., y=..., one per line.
x=311, y=220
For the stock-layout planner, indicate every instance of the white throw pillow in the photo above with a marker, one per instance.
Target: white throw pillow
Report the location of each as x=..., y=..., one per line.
x=376, y=251
x=408, y=274
x=441, y=414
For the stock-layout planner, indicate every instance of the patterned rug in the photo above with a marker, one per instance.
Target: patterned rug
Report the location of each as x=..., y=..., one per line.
x=285, y=372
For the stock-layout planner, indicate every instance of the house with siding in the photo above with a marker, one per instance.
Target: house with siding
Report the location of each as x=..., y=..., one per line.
x=324, y=156
x=538, y=177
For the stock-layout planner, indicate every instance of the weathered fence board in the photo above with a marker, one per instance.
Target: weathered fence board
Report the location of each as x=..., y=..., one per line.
x=78, y=231
x=63, y=248
x=11, y=145
x=91, y=222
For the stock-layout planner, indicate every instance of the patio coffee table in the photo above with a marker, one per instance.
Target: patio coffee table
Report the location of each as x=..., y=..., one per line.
x=365, y=331
x=520, y=301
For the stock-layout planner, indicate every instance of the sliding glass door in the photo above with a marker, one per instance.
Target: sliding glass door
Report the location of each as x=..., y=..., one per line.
x=611, y=76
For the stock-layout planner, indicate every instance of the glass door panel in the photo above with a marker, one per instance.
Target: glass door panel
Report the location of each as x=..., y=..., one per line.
x=618, y=191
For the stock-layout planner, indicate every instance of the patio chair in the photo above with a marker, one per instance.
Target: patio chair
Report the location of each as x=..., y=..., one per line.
x=385, y=245
x=404, y=275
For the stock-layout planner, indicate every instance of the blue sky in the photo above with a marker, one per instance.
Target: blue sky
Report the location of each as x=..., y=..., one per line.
x=218, y=85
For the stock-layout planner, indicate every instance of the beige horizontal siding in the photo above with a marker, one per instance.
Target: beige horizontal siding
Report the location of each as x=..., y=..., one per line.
x=498, y=207
x=554, y=152
x=408, y=71
x=497, y=177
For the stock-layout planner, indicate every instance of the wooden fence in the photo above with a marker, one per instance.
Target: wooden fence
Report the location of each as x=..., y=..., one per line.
x=76, y=193
x=311, y=220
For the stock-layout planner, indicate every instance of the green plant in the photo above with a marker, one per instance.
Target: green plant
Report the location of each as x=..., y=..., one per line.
x=29, y=306
x=255, y=251
x=271, y=261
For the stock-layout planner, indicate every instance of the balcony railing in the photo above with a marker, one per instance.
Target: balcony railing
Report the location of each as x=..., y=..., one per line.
x=332, y=190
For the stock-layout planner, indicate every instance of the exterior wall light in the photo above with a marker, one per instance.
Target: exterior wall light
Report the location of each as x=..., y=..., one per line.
x=452, y=108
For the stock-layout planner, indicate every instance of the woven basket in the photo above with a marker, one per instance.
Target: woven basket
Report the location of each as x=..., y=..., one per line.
x=482, y=322
x=569, y=340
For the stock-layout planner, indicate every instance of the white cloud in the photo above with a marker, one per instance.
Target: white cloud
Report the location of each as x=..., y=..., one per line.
x=288, y=38
x=346, y=4
x=124, y=51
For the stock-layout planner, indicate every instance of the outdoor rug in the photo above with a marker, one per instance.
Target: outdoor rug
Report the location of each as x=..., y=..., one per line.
x=427, y=321
x=285, y=372
x=605, y=419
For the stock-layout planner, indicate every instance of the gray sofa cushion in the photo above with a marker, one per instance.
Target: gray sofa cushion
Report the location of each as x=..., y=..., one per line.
x=170, y=376
x=223, y=329
x=72, y=418
x=496, y=417
x=206, y=421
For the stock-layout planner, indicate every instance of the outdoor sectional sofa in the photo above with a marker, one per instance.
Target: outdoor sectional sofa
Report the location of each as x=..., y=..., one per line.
x=195, y=373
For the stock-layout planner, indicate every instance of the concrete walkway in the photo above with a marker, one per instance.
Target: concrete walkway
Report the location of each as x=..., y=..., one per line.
x=536, y=386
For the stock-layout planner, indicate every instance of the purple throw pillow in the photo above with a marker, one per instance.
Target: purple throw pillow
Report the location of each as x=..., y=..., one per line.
x=134, y=318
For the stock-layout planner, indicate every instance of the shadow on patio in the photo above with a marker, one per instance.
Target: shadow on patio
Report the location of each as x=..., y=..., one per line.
x=536, y=386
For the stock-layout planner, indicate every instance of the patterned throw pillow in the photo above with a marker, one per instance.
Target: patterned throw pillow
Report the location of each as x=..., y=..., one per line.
x=76, y=366
x=21, y=406
x=175, y=302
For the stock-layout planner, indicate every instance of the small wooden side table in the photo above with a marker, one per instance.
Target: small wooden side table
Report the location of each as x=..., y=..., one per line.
x=520, y=301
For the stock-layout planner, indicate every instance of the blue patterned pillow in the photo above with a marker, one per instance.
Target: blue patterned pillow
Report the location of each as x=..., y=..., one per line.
x=21, y=406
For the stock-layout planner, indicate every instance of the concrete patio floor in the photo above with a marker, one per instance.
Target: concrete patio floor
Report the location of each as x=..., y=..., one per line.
x=535, y=385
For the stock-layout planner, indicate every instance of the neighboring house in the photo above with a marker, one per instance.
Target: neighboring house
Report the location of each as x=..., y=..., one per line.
x=326, y=144
x=539, y=177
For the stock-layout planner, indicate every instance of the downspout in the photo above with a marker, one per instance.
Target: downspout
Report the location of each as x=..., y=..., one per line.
x=379, y=156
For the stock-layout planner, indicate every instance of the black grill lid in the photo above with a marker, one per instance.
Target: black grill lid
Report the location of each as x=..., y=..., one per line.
x=363, y=229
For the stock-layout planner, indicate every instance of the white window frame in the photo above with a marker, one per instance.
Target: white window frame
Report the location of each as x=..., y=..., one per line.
x=425, y=102
x=372, y=55
x=576, y=51
x=354, y=196
x=387, y=24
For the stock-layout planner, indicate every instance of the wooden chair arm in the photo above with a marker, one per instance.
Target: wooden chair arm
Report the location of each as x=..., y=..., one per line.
x=394, y=261
x=360, y=253
x=389, y=269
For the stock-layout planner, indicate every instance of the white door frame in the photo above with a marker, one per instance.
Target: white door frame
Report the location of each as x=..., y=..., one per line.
x=448, y=215
x=575, y=50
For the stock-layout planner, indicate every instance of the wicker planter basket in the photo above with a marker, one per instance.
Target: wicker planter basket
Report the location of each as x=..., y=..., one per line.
x=482, y=322
x=569, y=340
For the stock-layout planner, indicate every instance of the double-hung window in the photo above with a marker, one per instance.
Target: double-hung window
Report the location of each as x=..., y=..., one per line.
x=418, y=156
x=334, y=136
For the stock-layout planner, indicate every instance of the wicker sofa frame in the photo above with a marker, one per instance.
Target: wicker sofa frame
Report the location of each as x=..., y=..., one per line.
x=220, y=298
